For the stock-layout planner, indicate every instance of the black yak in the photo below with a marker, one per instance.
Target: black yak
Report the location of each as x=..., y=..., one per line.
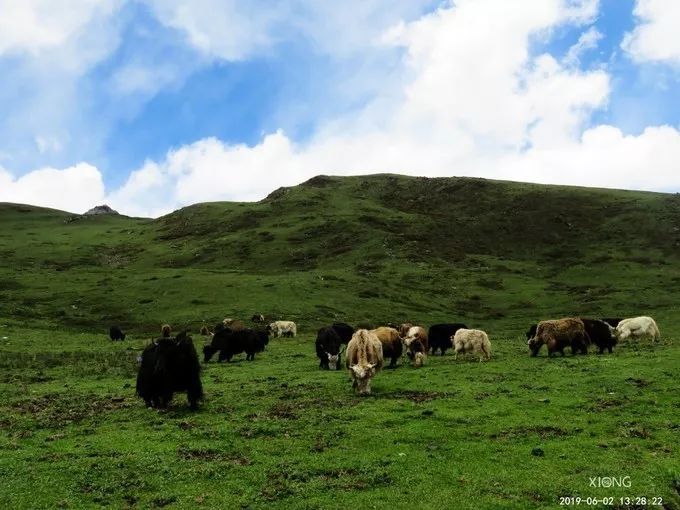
x=115, y=333
x=263, y=335
x=170, y=365
x=230, y=342
x=328, y=350
x=439, y=336
x=345, y=331
x=601, y=334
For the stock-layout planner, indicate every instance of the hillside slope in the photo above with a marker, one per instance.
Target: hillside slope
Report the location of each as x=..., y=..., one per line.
x=379, y=247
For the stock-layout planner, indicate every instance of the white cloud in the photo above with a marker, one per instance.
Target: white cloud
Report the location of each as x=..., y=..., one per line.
x=74, y=189
x=210, y=170
x=36, y=26
x=604, y=157
x=587, y=41
x=235, y=30
x=655, y=38
x=467, y=99
x=47, y=48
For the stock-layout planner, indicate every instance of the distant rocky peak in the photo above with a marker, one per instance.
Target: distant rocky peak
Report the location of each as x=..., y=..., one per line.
x=100, y=209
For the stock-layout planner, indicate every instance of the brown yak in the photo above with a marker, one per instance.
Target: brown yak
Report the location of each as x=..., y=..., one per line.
x=391, y=343
x=558, y=334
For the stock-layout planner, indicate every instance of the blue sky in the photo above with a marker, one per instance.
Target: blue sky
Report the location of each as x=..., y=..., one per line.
x=224, y=100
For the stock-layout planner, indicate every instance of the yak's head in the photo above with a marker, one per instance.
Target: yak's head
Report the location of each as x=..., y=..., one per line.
x=614, y=335
x=419, y=359
x=362, y=376
x=334, y=360
x=534, y=345
x=208, y=352
x=531, y=332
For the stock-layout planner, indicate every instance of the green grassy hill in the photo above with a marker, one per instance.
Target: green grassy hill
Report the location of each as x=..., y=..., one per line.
x=379, y=248
x=278, y=432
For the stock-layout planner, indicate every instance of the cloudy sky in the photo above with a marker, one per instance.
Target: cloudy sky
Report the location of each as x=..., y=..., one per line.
x=151, y=105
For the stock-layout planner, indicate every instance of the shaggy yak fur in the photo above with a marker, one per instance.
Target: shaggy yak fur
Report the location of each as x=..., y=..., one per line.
x=439, y=336
x=328, y=350
x=416, y=333
x=115, y=333
x=601, y=334
x=416, y=351
x=558, y=334
x=230, y=342
x=637, y=328
x=392, y=346
x=472, y=340
x=345, y=331
x=263, y=335
x=282, y=329
x=403, y=329
x=168, y=366
x=364, y=360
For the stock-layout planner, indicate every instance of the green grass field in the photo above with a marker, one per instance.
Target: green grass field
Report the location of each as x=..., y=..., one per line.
x=515, y=432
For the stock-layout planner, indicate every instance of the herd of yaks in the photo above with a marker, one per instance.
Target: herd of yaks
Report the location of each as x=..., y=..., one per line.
x=170, y=364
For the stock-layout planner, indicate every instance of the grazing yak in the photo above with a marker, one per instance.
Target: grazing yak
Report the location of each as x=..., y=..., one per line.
x=558, y=334
x=234, y=324
x=637, y=328
x=472, y=340
x=115, y=333
x=612, y=321
x=439, y=336
x=328, y=348
x=391, y=343
x=258, y=318
x=364, y=359
x=230, y=342
x=282, y=328
x=416, y=333
x=416, y=352
x=205, y=331
x=345, y=331
x=169, y=365
x=600, y=333
x=166, y=330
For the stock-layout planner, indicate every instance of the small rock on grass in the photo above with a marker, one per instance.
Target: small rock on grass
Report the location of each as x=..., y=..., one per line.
x=537, y=452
